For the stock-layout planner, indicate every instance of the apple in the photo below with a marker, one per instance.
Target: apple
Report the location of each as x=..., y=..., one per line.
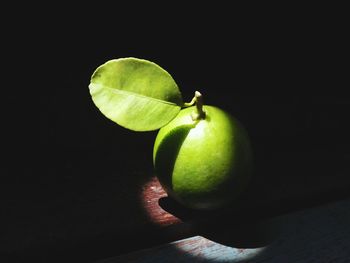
x=203, y=157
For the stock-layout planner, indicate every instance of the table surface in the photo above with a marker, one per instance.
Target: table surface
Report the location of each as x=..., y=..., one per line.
x=320, y=234
x=80, y=218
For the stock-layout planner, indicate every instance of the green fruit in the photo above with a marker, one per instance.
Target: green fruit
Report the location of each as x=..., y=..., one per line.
x=203, y=163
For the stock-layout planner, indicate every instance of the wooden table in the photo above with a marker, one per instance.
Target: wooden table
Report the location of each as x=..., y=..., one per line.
x=292, y=209
x=319, y=234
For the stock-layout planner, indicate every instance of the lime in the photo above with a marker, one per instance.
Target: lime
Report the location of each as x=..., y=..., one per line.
x=203, y=162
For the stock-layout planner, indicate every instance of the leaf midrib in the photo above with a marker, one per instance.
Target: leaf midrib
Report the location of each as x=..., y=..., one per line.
x=113, y=90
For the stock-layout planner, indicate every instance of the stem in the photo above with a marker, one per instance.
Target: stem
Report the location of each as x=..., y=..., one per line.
x=199, y=113
x=199, y=105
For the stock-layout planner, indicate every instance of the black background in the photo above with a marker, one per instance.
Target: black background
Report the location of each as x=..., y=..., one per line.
x=285, y=80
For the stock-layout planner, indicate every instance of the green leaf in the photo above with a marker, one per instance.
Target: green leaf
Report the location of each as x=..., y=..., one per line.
x=135, y=93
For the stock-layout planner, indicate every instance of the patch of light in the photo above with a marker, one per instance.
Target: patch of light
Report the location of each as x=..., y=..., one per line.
x=207, y=250
x=197, y=132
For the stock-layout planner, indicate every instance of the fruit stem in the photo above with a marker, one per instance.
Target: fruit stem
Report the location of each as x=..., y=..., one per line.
x=200, y=114
x=198, y=100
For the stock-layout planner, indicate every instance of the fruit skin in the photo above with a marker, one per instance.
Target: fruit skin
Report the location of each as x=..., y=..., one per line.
x=205, y=163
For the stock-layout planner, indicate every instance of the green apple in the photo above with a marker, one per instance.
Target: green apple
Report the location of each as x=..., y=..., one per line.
x=203, y=157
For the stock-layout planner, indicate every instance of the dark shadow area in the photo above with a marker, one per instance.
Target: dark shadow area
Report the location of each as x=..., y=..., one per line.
x=180, y=211
x=231, y=229
x=249, y=234
x=77, y=205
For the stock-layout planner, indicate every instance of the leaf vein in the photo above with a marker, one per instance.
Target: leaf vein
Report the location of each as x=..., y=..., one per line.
x=113, y=90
